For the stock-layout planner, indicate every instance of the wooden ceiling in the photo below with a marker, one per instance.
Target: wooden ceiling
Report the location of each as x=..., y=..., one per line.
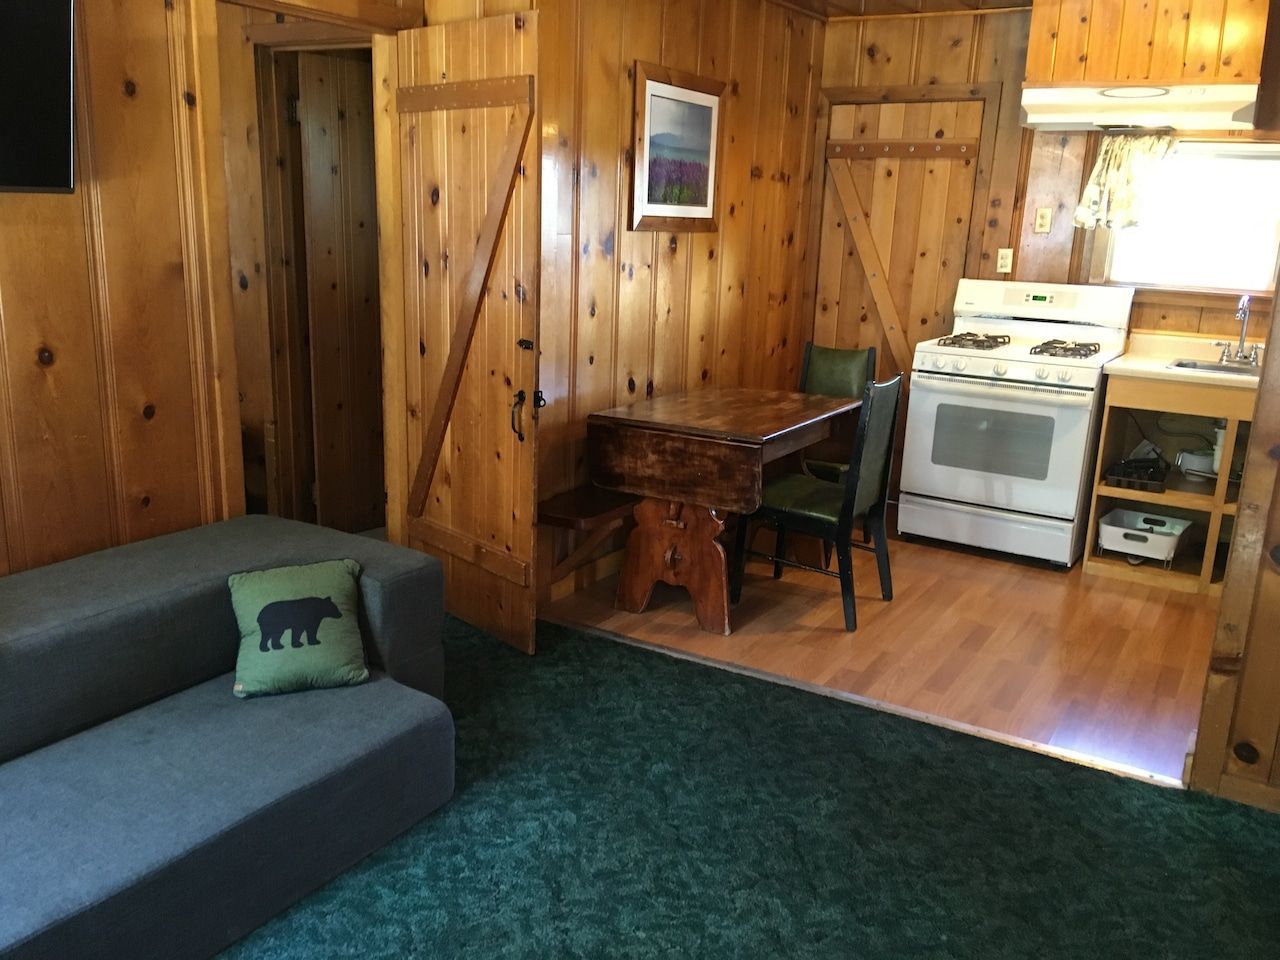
x=867, y=8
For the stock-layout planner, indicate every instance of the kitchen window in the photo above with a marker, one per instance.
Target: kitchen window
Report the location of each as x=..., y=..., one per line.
x=1208, y=218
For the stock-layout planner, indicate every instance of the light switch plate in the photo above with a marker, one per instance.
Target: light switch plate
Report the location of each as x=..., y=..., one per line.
x=1044, y=219
x=1004, y=260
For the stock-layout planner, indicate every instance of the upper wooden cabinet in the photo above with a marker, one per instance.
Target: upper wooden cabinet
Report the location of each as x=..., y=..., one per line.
x=1103, y=41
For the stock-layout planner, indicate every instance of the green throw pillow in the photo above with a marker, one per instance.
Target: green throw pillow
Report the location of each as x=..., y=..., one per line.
x=299, y=628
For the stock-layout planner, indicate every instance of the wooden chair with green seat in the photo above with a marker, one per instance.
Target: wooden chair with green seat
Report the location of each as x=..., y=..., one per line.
x=803, y=503
x=834, y=372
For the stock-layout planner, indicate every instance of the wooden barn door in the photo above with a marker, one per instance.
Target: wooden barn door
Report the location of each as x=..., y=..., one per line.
x=902, y=187
x=904, y=181
x=458, y=209
x=335, y=119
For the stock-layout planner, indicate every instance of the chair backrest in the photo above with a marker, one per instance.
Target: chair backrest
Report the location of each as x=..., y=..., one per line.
x=867, y=483
x=837, y=373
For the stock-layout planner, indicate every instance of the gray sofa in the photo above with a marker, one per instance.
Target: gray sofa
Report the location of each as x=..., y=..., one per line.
x=145, y=812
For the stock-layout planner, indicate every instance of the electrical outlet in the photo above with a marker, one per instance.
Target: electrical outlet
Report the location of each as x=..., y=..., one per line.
x=1044, y=219
x=1004, y=260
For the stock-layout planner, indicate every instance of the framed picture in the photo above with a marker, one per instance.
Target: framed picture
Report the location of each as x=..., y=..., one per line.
x=677, y=146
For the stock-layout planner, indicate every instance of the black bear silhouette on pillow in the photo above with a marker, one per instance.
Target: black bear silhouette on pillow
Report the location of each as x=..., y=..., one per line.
x=301, y=616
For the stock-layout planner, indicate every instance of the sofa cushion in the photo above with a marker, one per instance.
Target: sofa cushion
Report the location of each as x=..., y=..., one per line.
x=88, y=639
x=312, y=606
x=179, y=827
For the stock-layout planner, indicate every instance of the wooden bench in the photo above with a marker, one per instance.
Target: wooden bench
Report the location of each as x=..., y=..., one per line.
x=587, y=510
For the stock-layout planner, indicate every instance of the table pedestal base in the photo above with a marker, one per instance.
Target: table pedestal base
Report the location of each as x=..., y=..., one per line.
x=676, y=543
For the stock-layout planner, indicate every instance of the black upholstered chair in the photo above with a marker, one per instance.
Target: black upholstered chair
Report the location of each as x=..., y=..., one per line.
x=834, y=373
x=806, y=504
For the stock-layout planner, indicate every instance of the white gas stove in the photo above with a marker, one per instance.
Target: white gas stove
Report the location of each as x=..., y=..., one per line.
x=1001, y=427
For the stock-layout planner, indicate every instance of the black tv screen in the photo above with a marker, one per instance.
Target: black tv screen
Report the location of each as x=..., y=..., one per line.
x=36, y=117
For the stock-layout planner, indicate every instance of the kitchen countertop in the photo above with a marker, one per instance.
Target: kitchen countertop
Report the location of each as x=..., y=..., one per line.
x=1150, y=355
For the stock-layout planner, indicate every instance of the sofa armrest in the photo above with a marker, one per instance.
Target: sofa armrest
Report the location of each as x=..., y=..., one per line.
x=403, y=608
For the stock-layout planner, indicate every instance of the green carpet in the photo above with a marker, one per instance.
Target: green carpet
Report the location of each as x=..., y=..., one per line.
x=614, y=802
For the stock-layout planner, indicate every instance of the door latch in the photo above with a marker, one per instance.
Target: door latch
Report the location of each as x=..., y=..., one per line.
x=539, y=401
x=525, y=344
x=516, y=407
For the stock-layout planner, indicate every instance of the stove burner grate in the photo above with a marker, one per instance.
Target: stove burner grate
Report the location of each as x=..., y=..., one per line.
x=975, y=341
x=1066, y=348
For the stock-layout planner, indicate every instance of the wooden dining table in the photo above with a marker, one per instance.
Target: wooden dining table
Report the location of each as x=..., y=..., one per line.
x=695, y=458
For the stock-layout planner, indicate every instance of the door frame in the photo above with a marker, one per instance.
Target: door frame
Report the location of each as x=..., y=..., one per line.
x=261, y=285
x=1224, y=759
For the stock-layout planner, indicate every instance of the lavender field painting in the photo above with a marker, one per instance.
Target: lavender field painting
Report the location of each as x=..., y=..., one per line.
x=679, y=152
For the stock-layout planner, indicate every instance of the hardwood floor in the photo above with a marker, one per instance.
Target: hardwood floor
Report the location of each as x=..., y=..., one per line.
x=1107, y=671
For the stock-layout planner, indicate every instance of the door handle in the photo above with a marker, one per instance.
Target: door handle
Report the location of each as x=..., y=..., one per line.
x=516, y=407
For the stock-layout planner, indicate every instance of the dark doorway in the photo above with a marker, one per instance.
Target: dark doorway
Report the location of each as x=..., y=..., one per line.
x=323, y=457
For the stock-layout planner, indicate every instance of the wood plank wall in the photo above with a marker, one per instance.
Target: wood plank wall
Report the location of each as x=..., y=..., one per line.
x=117, y=371
x=626, y=314
x=386, y=16
x=1029, y=169
x=1117, y=40
x=963, y=48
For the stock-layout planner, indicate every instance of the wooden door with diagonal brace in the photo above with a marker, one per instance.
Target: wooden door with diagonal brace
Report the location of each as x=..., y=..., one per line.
x=458, y=212
x=900, y=186
x=905, y=178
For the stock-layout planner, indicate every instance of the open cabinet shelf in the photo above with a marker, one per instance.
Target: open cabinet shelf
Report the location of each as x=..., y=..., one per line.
x=1179, y=492
x=1211, y=505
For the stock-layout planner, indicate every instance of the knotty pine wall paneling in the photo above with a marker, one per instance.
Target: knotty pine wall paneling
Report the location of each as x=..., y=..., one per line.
x=1100, y=41
x=963, y=48
x=451, y=11
x=118, y=418
x=632, y=314
x=923, y=257
x=1057, y=165
x=1029, y=169
x=385, y=16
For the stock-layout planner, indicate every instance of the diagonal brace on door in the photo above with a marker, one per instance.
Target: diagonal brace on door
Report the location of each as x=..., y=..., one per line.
x=855, y=221
x=506, y=91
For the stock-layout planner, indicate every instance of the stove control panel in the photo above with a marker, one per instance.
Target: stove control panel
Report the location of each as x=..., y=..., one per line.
x=977, y=366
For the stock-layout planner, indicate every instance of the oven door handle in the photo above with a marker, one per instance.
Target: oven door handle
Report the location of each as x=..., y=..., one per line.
x=1045, y=395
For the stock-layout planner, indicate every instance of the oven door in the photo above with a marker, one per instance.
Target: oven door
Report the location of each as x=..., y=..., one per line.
x=1012, y=446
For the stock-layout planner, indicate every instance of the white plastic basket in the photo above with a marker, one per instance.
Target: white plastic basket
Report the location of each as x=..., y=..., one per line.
x=1142, y=534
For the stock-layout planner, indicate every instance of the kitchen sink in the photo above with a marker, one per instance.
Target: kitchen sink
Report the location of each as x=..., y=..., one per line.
x=1210, y=366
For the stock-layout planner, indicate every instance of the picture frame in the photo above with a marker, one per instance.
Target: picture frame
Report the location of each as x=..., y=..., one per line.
x=676, y=149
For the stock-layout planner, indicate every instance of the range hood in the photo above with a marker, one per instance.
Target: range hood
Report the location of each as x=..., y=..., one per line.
x=1217, y=106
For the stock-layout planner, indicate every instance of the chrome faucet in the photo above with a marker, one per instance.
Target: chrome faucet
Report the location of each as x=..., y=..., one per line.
x=1242, y=314
x=1239, y=356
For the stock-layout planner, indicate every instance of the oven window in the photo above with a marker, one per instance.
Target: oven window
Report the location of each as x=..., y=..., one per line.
x=997, y=442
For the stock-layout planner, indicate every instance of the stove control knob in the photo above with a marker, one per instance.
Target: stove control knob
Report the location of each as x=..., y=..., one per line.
x=939, y=362
x=1001, y=369
x=1064, y=375
x=1042, y=373
x=958, y=364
